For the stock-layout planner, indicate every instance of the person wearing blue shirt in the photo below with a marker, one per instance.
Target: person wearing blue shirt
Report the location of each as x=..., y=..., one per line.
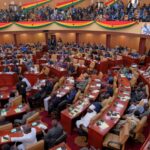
x=71, y=95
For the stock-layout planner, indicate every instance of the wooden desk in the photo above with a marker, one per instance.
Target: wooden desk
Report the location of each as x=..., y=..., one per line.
x=145, y=79
x=102, y=66
x=95, y=133
x=33, y=77
x=128, y=60
x=13, y=111
x=67, y=118
x=61, y=145
x=8, y=79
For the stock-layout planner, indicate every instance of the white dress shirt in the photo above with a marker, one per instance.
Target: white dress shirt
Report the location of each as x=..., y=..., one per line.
x=26, y=139
x=27, y=82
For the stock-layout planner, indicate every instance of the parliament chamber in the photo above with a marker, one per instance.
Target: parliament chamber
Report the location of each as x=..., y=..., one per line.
x=75, y=75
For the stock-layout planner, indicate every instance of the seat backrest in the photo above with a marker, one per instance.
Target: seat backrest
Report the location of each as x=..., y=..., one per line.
x=140, y=125
x=8, y=126
x=86, y=89
x=124, y=133
x=116, y=92
x=61, y=80
x=62, y=138
x=37, y=146
x=56, y=86
x=33, y=118
x=17, y=101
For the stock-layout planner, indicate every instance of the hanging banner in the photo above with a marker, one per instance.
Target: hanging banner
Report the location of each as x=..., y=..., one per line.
x=36, y=24
x=31, y=5
x=110, y=2
x=66, y=4
x=74, y=24
x=5, y=25
x=112, y=25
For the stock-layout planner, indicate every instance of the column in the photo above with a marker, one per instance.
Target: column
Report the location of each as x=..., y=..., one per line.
x=108, y=40
x=142, y=45
x=46, y=37
x=15, y=39
x=77, y=37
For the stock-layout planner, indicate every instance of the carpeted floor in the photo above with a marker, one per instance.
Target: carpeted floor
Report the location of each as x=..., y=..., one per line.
x=131, y=145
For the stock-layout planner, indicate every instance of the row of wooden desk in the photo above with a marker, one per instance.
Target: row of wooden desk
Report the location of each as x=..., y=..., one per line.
x=96, y=134
x=8, y=79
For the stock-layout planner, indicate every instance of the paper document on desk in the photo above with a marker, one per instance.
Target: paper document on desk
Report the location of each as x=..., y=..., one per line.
x=59, y=95
x=98, y=85
x=17, y=110
x=67, y=88
x=5, y=140
x=42, y=126
x=122, y=75
x=95, y=91
x=120, y=105
x=62, y=69
x=103, y=125
x=91, y=96
x=3, y=113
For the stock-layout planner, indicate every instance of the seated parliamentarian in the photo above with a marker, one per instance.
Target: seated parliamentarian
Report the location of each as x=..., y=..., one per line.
x=11, y=98
x=45, y=91
x=6, y=69
x=28, y=138
x=16, y=69
x=24, y=118
x=67, y=100
x=53, y=134
x=71, y=69
x=3, y=121
x=84, y=122
x=83, y=83
x=133, y=119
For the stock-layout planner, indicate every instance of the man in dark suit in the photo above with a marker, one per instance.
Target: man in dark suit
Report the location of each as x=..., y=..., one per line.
x=53, y=134
x=21, y=87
